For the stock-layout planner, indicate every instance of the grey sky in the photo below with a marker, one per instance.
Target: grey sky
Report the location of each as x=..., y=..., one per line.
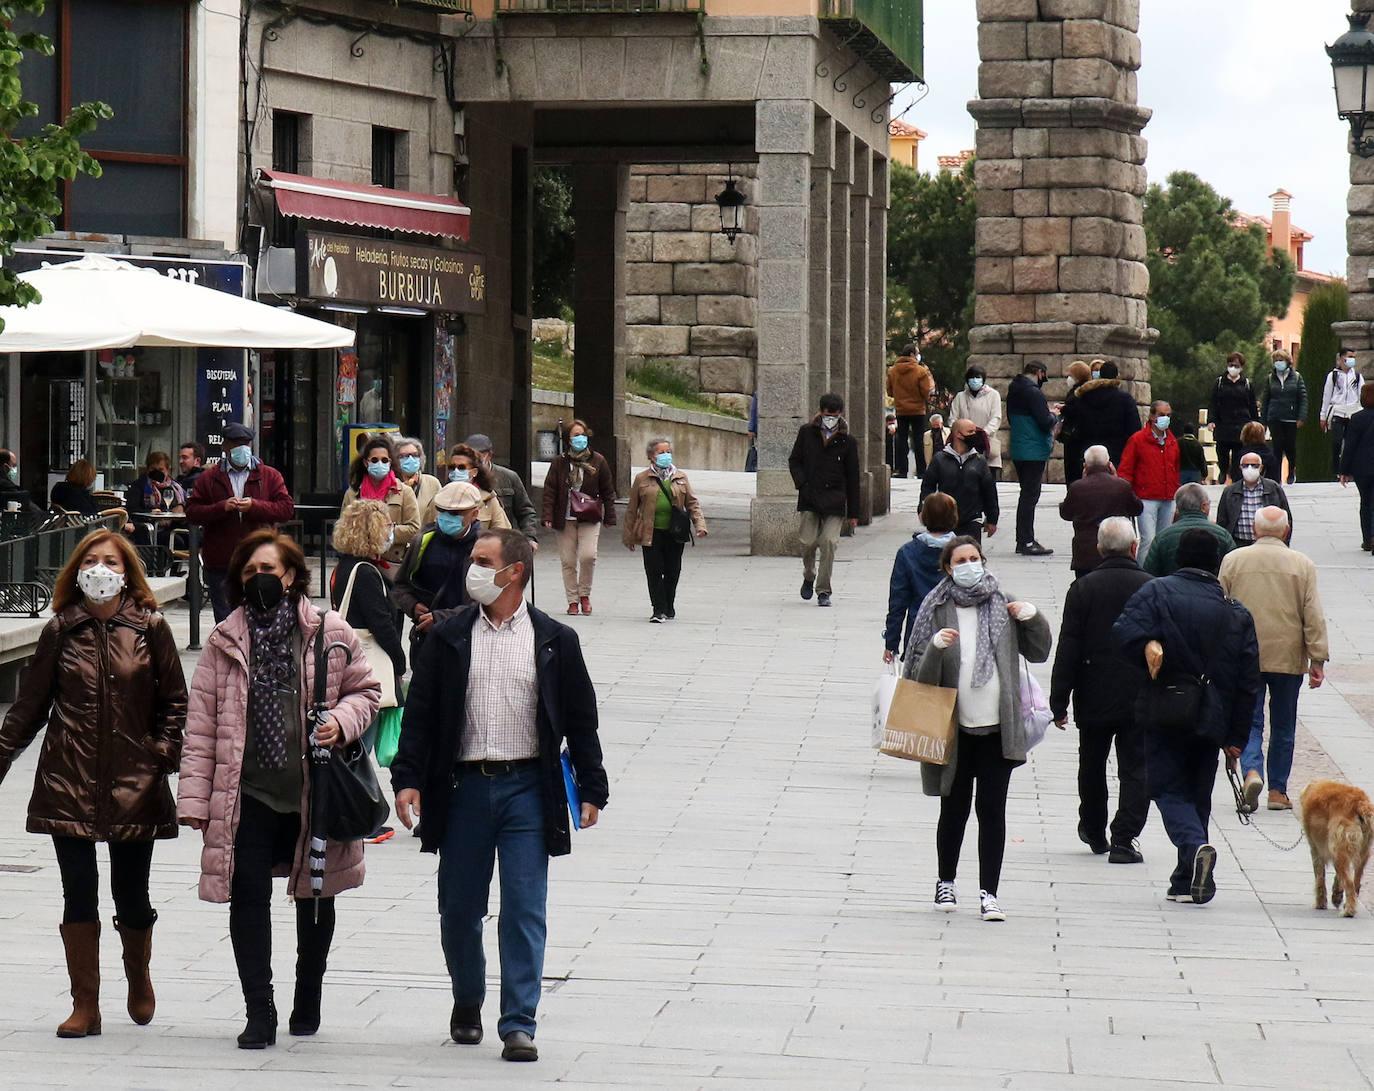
x=1244, y=103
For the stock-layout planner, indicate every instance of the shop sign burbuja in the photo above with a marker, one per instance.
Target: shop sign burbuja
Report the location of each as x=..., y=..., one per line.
x=382, y=273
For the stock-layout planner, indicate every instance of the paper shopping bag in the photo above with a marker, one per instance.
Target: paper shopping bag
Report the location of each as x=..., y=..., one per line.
x=920, y=722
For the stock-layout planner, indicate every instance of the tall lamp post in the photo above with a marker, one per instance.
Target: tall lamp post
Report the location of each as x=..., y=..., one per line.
x=1352, y=68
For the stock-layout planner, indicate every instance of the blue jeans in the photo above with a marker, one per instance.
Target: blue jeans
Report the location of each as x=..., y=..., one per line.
x=1283, y=726
x=1180, y=774
x=503, y=818
x=1155, y=515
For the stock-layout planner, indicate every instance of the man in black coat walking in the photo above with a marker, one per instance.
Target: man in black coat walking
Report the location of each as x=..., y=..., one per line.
x=1103, y=411
x=825, y=468
x=1104, y=684
x=959, y=470
x=498, y=687
x=1201, y=649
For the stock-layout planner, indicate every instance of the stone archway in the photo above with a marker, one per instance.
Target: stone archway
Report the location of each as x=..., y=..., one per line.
x=1060, y=251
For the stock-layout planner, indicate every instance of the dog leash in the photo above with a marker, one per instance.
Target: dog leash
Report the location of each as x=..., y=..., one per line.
x=1247, y=820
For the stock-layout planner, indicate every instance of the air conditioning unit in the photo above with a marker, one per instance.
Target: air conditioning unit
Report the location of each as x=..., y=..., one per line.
x=277, y=272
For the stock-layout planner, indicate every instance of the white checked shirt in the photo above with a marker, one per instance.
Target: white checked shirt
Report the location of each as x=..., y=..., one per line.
x=503, y=691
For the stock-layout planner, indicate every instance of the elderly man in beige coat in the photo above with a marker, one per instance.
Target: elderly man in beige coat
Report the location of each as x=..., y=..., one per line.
x=1278, y=585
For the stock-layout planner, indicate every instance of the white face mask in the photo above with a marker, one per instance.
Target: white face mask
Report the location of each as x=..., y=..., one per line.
x=968, y=573
x=1250, y=473
x=100, y=583
x=481, y=584
x=829, y=423
x=1233, y=371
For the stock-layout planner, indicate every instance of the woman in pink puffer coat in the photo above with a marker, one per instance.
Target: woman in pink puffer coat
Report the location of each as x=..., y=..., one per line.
x=245, y=769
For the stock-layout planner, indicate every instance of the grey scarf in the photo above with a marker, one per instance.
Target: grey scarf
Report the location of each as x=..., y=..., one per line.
x=993, y=619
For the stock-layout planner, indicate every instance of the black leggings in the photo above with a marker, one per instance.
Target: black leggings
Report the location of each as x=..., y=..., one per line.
x=130, y=862
x=1285, y=436
x=1228, y=460
x=266, y=839
x=979, y=757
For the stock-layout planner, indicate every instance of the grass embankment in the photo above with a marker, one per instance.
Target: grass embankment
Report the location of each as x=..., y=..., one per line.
x=654, y=379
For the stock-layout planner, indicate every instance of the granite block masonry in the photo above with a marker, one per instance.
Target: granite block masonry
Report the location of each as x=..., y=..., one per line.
x=1060, y=268
x=692, y=296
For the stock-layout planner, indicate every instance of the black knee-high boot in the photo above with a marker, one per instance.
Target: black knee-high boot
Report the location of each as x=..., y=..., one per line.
x=314, y=933
x=250, y=931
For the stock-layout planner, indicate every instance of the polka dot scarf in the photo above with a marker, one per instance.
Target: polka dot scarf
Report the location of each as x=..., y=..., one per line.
x=273, y=671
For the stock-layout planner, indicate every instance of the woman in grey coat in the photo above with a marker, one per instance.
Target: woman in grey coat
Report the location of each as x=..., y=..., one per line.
x=967, y=636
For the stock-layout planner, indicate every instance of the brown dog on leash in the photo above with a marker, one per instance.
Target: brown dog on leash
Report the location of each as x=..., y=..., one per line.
x=1338, y=820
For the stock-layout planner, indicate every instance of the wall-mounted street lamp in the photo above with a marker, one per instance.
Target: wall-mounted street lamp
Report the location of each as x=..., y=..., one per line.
x=730, y=201
x=1352, y=65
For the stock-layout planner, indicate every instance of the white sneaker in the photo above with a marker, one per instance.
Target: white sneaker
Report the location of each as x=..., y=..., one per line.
x=991, y=910
x=944, y=897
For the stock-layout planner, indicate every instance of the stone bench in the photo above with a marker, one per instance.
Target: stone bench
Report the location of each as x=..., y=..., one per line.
x=19, y=635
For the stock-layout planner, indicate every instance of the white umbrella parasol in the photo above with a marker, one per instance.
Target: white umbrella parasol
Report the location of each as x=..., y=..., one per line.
x=97, y=302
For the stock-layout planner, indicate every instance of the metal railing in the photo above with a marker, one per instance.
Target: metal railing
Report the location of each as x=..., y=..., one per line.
x=894, y=43
x=37, y=557
x=599, y=7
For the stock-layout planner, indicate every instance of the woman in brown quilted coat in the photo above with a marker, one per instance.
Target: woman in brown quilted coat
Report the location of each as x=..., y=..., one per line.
x=106, y=680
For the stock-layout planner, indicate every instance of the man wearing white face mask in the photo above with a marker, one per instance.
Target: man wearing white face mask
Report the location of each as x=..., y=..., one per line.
x=825, y=468
x=1340, y=402
x=495, y=694
x=236, y=496
x=1241, y=500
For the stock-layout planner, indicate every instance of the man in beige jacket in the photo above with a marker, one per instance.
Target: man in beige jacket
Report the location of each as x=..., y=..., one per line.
x=1278, y=585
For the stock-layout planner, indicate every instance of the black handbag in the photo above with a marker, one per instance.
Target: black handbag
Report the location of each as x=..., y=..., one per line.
x=679, y=522
x=1176, y=703
x=346, y=802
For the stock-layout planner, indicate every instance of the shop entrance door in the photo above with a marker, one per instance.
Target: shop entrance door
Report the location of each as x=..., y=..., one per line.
x=391, y=362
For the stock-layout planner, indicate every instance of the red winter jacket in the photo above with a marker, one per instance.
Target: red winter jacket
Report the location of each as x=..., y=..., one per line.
x=1151, y=469
x=224, y=529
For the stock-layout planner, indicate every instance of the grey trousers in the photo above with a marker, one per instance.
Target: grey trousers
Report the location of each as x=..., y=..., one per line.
x=819, y=533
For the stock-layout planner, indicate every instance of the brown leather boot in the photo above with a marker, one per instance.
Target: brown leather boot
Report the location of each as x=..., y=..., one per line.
x=82, y=941
x=138, y=951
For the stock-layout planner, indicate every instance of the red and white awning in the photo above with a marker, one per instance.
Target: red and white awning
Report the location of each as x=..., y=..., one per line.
x=367, y=206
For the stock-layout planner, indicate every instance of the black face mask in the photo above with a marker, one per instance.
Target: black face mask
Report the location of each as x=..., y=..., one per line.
x=263, y=591
x=156, y=475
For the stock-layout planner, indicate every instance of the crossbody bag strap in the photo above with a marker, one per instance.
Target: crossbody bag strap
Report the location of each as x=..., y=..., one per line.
x=663, y=485
x=347, y=599
x=321, y=665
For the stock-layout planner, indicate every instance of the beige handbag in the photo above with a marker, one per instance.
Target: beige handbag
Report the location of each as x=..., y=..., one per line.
x=377, y=658
x=920, y=722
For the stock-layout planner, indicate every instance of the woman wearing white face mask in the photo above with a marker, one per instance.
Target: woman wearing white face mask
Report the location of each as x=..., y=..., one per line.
x=967, y=636
x=106, y=680
x=1233, y=407
x=980, y=403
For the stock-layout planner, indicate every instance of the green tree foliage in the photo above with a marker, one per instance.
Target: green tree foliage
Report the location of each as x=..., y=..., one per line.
x=33, y=167
x=930, y=266
x=1213, y=288
x=1316, y=357
x=553, y=243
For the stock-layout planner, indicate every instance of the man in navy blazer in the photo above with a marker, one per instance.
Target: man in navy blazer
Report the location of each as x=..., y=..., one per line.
x=497, y=688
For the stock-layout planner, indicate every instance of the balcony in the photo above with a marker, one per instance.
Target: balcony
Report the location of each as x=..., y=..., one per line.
x=885, y=34
x=600, y=7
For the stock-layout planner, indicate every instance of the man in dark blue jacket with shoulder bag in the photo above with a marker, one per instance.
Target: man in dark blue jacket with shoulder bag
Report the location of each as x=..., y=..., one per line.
x=1203, y=657
x=497, y=688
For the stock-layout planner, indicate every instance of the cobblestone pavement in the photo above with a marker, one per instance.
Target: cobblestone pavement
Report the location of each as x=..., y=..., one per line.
x=754, y=909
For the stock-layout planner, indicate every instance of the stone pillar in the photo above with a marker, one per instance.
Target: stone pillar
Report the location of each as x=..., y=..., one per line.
x=1358, y=332
x=784, y=137
x=856, y=399
x=600, y=201
x=840, y=185
x=822, y=175
x=880, y=475
x=1059, y=273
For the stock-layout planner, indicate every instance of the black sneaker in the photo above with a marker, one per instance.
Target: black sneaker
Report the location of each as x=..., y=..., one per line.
x=823, y=599
x=807, y=589
x=1096, y=841
x=1125, y=853
x=657, y=619
x=669, y=615
x=1034, y=549
x=1204, y=886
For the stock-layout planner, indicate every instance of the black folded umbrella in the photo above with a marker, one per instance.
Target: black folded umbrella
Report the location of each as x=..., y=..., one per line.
x=319, y=784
